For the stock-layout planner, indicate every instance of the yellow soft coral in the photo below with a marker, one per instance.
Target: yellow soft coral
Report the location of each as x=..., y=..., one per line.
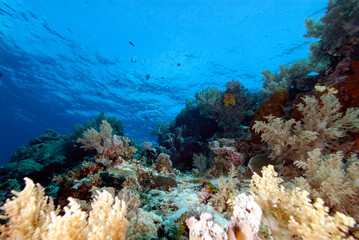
x=31, y=215
x=229, y=99
x=290, y=213
x=28, y=213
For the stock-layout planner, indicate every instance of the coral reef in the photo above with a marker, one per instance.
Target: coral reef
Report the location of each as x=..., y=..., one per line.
x=232, y=165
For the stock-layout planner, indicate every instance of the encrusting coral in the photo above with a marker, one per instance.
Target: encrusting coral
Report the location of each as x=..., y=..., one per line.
x=289, y=213
x=31, y=215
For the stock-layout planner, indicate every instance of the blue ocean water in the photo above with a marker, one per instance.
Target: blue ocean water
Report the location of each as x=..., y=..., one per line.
x=62, y=62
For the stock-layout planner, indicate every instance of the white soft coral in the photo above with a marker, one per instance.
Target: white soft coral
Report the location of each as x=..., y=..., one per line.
x=291, y=212
x=325, y=118
x=322, y=124
x=93, y=139
x=327, y=177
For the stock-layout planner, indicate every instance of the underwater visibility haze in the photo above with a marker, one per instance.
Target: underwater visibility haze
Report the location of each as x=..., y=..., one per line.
x=179, y=119
x=64, y=62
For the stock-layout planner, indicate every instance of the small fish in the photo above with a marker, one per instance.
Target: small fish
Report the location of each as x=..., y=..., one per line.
x=211, y=188
x=329, y=88
x=131, y=43
x=178, y=64
x=133, y=60
x=320, y=88
x=312, y=74
x=147, y=76
x=332, y=89
x=0, y=74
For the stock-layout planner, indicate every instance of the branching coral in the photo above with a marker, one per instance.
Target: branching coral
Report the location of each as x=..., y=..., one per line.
x=329, y=178
x=322, y=124
x=285, y=139
x=31, y=215
x=208, y=97
x=206, y=100
x=235, y=104
x=326, y=119
x=290, y=213
x=97, y=140
x=227, y=191
x=108, y=146
x=116, y=124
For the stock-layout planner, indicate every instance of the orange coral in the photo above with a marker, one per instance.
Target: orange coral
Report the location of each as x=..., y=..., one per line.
x=349, y=89
x=229, y=99
x=273, y=106
x=356, y=144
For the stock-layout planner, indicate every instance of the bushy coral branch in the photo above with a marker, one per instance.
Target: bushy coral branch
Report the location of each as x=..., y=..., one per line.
x=97, y=140
x=27, y=213
x=290, y=213
x=327, y=177
x=31, y=215
x=322, y=124
x=285, y=139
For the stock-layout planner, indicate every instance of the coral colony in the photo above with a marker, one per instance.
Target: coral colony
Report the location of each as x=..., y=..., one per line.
x=279, y=164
